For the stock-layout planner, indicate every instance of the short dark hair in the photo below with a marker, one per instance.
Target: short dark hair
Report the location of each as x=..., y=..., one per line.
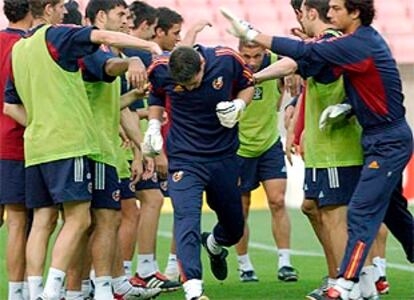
x=73, y=15
x=365, y=7
x=37, y=7
x=184, y=64
x=247, y=44
x=296, y=4
x=141, y=11
x=95, y=6
x=167, y=18
x=321, y=6
x=16, y=10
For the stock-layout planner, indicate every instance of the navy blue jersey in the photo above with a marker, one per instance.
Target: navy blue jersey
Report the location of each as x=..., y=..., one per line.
x=66, y=44
x=145, y=56
x=372, y=80
x=195, y=132
x=93, y=65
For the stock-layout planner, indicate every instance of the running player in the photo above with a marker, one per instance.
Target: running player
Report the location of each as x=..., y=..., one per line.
x=201, y=146
x=56, y=166
x=262, y=160
x=374, y=90
x=12, y=179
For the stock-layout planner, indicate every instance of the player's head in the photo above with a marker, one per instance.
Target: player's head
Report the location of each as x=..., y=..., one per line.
x=168, y=29
x=72, y=15
x=348, y=14
x=143, y=20
x=297, y=7
x=252, y=53
x=314, y=12
x=107, y=14
x=51, y=11
x=186, y=67
x=16, y=10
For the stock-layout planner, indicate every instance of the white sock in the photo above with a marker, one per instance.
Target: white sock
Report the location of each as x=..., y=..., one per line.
x=193, y=288
x=121, y=285
x=244, y=263
x=284, y=258
x=26, y=291
x=86, y=288
x=213, y=246
x=331, y=282
x=74, y=295
x=92, y=275
x=54, y=283
x=146, y=266
x=35, y=286
x=103, y=288
x=381, y=265
x=15, y=290
x=172, y=264
x=367, y=282
x=156, y=266
x=128, y=268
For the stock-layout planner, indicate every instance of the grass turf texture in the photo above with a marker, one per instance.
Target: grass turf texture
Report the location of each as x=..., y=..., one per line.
x=311, y=268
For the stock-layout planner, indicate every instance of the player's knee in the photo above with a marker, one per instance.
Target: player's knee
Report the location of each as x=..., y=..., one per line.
x=276, y=202
x=309, y=208
x=236, y=232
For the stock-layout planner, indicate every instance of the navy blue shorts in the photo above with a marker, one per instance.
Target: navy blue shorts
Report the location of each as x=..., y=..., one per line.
x=12, y=182
x=331, y=186
x=270, y=165
x=106, y=187
x=127, y=189
x=150, y=184
x=57, y=182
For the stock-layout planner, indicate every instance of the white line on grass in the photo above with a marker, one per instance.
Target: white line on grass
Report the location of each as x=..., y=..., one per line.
x=269, y=248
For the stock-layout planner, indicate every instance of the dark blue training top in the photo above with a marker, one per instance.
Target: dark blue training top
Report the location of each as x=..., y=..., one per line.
x=93, y=65
x=66, y=45
x=195, y=132
x=372, y=81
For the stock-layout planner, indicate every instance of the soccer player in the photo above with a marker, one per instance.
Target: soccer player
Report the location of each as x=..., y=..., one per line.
x=57, y=139
x=201, y=147
x=72, y=14
x=262, y=160
x=374, y=90
x=12, y=180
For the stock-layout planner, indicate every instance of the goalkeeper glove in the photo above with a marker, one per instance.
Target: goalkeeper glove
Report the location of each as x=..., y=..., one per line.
x=239, y=28
x=334, y=114
x=153, y=142
x=229, y=112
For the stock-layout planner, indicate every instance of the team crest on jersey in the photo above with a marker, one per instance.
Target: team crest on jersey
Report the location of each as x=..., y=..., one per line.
x=90, y=187
x=218, y=83
x=132, y=187
x=178, y=89
x=258, y=93
x=164, y=185
x=177, y=176
x=116, y=195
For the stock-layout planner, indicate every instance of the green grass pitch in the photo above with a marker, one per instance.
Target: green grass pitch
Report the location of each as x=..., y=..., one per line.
x=308, y=260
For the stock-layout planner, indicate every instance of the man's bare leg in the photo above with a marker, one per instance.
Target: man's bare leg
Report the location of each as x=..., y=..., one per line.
x=246, y=268
x=151, y=204
x=105, y=236
x=128, y=232
x=44, y=223
x=16, y=248
x=77, y=221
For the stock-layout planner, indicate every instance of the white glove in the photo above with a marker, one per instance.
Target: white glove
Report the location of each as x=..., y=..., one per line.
x=239, y=28
x=333, y=114
x=229, y=112
x=153, y=141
